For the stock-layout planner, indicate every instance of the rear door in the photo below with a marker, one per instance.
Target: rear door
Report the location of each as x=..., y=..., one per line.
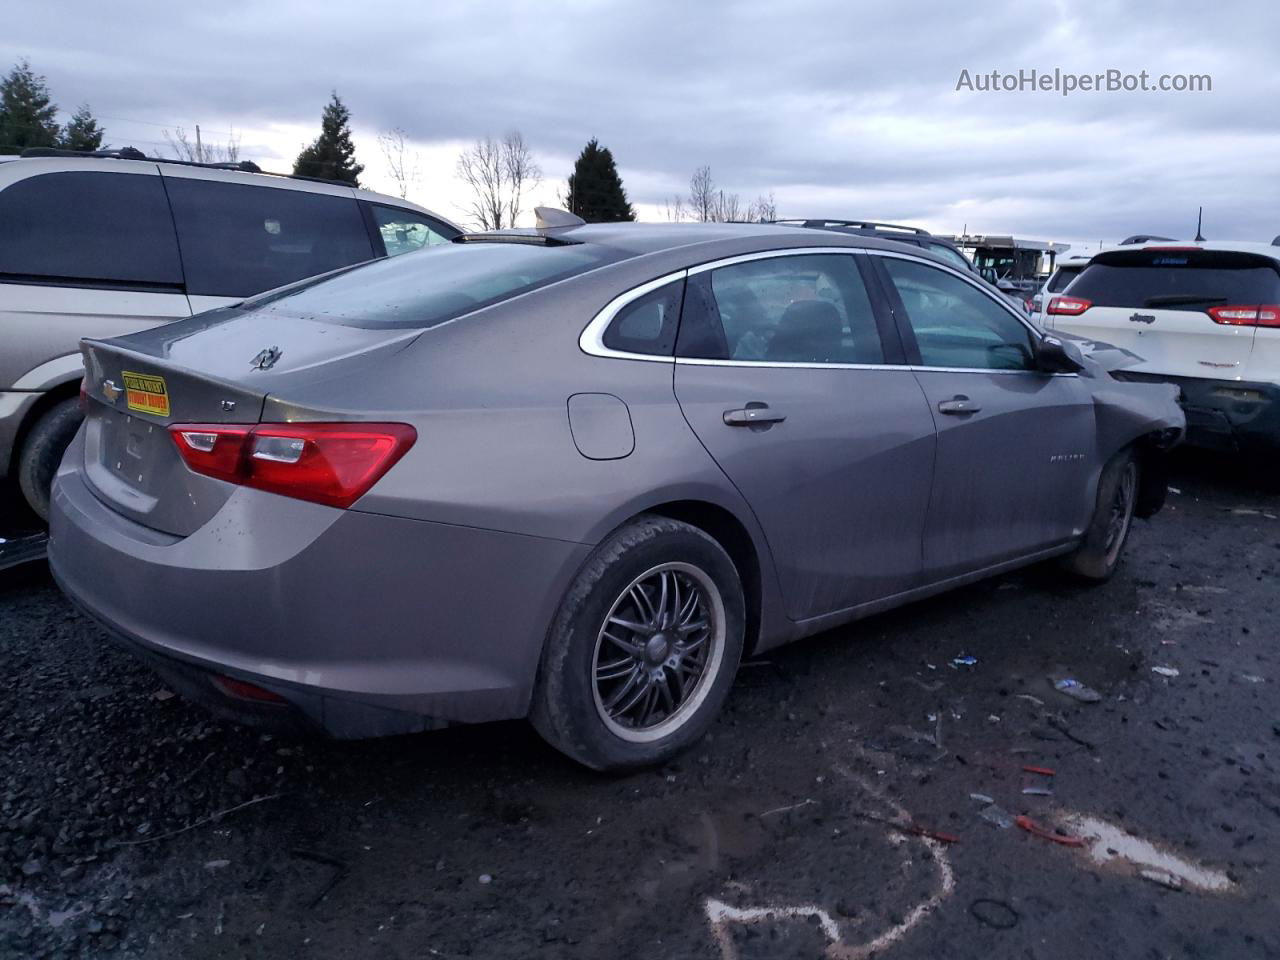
x=83, y=253
x=796, y=387
x=240, y=239
x=1172, y=306
x=1015, y=445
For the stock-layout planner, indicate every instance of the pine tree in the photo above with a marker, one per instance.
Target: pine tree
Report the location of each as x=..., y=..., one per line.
x=27, y=114
x=82, y=133
x=333, y=155
x=595, y=189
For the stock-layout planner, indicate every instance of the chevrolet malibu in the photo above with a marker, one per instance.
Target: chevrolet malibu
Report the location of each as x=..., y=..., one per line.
x=577, y=473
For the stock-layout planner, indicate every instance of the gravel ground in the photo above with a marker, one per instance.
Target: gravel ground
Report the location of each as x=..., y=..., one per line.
x=133, y=825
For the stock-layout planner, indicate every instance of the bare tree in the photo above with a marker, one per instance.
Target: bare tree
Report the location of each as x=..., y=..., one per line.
x=702, y=195
x=523, y=172
x=675, y=209
x=201, y=150
x=727, y=208
x=401, y=164
x=499, y=174
x=763, y=208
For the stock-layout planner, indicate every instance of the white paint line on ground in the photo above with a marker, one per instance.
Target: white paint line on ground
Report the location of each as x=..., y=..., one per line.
x=1108, y=842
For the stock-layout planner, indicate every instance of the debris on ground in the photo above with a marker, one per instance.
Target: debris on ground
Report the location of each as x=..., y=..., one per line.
x=1108, y=843
x=1037, y=791
x=1043, y=771
x=964, y=660
x=1033, y=828
x=1162, y=878
x=994, y=913
x=913, y=829
x=1075, y=689
x=996, y=816
x=1169, y=672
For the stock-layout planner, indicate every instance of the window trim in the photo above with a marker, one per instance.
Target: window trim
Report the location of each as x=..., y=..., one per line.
x=591, y=340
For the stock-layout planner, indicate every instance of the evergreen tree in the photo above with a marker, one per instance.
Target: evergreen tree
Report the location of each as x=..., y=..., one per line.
x=595, y=189
x=333, y=155
x=27, y=115
x=82, y=133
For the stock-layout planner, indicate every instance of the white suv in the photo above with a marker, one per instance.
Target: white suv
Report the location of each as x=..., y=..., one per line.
x=1204, y=316
x=105, y=244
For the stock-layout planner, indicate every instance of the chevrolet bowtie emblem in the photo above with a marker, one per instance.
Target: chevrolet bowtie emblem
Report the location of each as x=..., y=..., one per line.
x=111, y=391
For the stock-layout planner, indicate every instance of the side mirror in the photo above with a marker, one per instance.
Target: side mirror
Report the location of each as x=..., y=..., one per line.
x=1058, y=356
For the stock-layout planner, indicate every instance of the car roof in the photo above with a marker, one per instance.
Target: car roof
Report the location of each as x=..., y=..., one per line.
x=712, y=239
x=214, y=172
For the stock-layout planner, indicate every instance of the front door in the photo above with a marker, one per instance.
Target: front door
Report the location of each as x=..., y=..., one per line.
x=781, y=372
x=1015, y=444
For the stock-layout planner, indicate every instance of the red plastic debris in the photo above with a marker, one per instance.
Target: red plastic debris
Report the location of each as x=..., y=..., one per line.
x=1043, y=771
x=1029, y=825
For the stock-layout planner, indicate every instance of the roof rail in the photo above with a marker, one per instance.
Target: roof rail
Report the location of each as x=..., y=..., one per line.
x=861, y=224
x=1143, y=238
x=132, y=153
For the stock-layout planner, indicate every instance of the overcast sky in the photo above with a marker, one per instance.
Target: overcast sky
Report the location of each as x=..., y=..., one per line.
x=845, y=109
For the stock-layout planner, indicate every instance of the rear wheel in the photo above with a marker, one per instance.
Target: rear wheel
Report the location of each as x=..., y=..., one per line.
x=1098, y=556
x=42, y=451
x=644, y=649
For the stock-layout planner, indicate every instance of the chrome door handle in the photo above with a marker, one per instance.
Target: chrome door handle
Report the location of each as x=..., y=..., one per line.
x=958, y=406
x=750, y=415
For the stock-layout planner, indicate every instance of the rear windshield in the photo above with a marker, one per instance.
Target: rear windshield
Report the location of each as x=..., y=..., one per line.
x=1064, y=275
x=951, y=255
x=434, y=285
x=1178, y=279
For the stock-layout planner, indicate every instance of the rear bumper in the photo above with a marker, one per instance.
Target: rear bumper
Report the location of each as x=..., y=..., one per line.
x=366, y=625
x=1224, y=414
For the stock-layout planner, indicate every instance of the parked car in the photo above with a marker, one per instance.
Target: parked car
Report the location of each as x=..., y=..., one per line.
x=1202, y=316
x=1067, y=270
x=106, y=244
x=576, y=474
x=912, y=236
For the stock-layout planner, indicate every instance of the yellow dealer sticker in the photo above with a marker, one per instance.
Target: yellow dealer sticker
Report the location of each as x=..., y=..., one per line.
x=145, y=393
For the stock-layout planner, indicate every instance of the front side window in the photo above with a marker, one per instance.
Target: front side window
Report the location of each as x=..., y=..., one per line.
x=810, y=308
x=955, y=324
x=1064, y=275
x=238, y=240
x=404, y=231
x=82, y=227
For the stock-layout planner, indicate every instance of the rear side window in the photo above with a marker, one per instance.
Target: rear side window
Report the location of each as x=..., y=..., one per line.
x=404, y=231
x=1175, y=279
x=238, y=240
x=811, y=308
x=648, y=324
x=1063, y=276
x=435, y=285
x=79, y=227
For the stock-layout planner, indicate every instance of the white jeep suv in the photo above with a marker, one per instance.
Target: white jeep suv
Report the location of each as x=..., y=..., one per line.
x=104, y=244
x=1204, y=316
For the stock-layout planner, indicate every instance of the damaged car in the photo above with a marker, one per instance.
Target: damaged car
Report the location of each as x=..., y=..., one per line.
x=577, y=473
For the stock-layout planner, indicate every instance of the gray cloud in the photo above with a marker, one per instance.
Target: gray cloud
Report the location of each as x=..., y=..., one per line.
x=839, y=108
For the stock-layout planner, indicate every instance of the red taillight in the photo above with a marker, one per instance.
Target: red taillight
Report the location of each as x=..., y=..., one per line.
x=329, y=463
x=1266, y=315
x=1068, y=306
x=245, y=691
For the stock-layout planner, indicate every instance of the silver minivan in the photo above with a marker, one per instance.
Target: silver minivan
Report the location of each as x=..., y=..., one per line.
x=108, y=244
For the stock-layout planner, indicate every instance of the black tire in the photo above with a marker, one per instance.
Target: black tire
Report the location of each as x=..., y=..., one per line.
x=42, y=451
x=1098, y=556
x=570, y=706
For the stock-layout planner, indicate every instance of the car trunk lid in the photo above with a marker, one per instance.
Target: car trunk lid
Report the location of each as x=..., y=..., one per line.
x=135, y=389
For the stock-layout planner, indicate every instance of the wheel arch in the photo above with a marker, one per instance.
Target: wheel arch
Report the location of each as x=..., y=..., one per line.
x=64, y=390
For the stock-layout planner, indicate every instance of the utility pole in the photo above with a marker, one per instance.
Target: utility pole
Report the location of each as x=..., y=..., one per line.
x=199, y=148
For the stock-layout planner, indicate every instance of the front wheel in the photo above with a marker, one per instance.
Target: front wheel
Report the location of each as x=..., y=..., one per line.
x=644, y=649
x=1098, y=555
